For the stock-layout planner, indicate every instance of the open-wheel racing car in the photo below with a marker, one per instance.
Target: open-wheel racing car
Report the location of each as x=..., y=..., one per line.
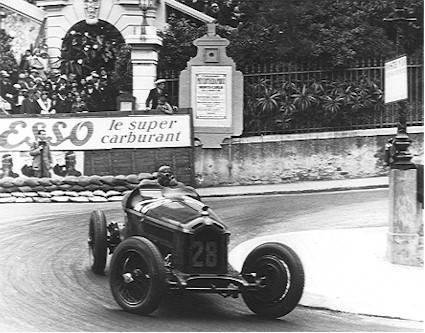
x=170, y=241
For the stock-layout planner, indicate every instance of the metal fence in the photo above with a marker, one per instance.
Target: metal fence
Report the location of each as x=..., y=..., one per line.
x=373, y=69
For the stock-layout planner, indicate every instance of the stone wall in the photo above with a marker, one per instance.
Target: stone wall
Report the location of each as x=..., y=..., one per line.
x=297, y=157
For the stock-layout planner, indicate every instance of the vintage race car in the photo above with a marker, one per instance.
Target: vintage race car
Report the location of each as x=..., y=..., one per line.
x=170, y=241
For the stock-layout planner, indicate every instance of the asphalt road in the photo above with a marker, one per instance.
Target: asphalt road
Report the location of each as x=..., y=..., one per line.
x=47, y=285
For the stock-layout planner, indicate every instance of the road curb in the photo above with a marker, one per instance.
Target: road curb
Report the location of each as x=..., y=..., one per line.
x=301, y=191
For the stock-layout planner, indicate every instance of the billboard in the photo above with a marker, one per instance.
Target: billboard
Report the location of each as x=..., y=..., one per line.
x=92, y=133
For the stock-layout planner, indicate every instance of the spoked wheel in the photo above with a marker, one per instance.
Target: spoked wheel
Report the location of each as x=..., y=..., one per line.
x=281, y=277
x=98, y=244
x=137, y=275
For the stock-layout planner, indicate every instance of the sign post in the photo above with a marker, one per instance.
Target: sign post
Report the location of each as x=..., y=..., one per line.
x=213, y=88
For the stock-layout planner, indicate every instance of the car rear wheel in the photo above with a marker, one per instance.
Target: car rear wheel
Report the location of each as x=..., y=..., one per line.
x=98, y=244
x=137, y=275
x=281, y=276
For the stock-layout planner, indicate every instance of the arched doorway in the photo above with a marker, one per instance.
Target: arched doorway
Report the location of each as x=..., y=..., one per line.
x=97, y=55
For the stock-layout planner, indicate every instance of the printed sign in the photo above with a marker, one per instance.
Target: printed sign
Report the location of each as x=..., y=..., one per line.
x=396, y=80
x=210, y=96
x=17, y=134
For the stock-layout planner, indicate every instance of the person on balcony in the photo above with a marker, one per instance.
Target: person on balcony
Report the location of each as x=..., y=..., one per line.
x=45, y=103
x=29, y=103
x=152, y=100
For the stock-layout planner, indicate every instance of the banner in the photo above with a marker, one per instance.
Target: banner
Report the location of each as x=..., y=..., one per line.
x=90, y=133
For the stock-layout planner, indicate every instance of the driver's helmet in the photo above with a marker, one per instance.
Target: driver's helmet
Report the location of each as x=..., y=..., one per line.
x=165, y=175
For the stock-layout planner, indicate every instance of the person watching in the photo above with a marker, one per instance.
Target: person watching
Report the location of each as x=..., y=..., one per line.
x=42, y=158
x=29, y=103
x=154, y=94
x=45, y=103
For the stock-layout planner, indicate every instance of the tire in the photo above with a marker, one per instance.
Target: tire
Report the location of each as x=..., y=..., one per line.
x=137, y=275
x=98, y=244
x=274, y=263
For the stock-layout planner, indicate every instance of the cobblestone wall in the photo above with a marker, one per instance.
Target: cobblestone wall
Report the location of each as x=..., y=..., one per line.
x=291, y=158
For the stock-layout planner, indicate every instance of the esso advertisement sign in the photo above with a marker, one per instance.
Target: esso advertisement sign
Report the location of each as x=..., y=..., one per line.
x=17, y=134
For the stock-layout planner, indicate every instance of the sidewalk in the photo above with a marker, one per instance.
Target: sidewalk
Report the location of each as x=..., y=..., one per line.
x=298, y=187
x=346, y=269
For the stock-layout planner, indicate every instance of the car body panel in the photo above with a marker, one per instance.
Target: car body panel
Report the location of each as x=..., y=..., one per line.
x=180, y=226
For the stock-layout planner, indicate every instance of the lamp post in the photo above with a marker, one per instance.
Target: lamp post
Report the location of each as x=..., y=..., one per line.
x=145, y=5
x=404, y=236
x=401, y=142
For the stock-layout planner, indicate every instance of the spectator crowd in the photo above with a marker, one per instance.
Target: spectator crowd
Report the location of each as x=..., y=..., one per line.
x=34, y=90
x=93, y=67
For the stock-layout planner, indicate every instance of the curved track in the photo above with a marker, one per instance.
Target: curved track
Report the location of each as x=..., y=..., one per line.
x=47, y=286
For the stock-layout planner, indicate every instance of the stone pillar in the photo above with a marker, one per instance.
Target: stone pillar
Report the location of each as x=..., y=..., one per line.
x=404, y=228
x=54, y=32
x=213, y=88
x=55, y=29
x=144, y=58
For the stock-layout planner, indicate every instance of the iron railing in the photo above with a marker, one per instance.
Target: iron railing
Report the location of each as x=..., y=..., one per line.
x=373, y=69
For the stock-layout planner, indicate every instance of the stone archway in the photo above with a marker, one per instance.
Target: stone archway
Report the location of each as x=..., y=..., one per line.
x=126, y=16
x=88, y=47
x=101, y=48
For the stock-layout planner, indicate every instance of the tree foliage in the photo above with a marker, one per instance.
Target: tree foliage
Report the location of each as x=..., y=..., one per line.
x=7, y=60
x=333, y=33
x=178, y=45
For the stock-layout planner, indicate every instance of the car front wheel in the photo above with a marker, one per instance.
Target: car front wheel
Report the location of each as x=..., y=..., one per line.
x=137, y=275
x=280, y=274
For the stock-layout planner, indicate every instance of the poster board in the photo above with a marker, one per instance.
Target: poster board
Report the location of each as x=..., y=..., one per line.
x=212, y=96
x=396, y=80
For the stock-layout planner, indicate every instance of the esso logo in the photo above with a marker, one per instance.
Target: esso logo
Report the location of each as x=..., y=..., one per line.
x=18, y=133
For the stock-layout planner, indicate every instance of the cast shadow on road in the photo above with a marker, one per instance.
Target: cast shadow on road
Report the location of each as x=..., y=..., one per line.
x=187, y=306
x=181, y=312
